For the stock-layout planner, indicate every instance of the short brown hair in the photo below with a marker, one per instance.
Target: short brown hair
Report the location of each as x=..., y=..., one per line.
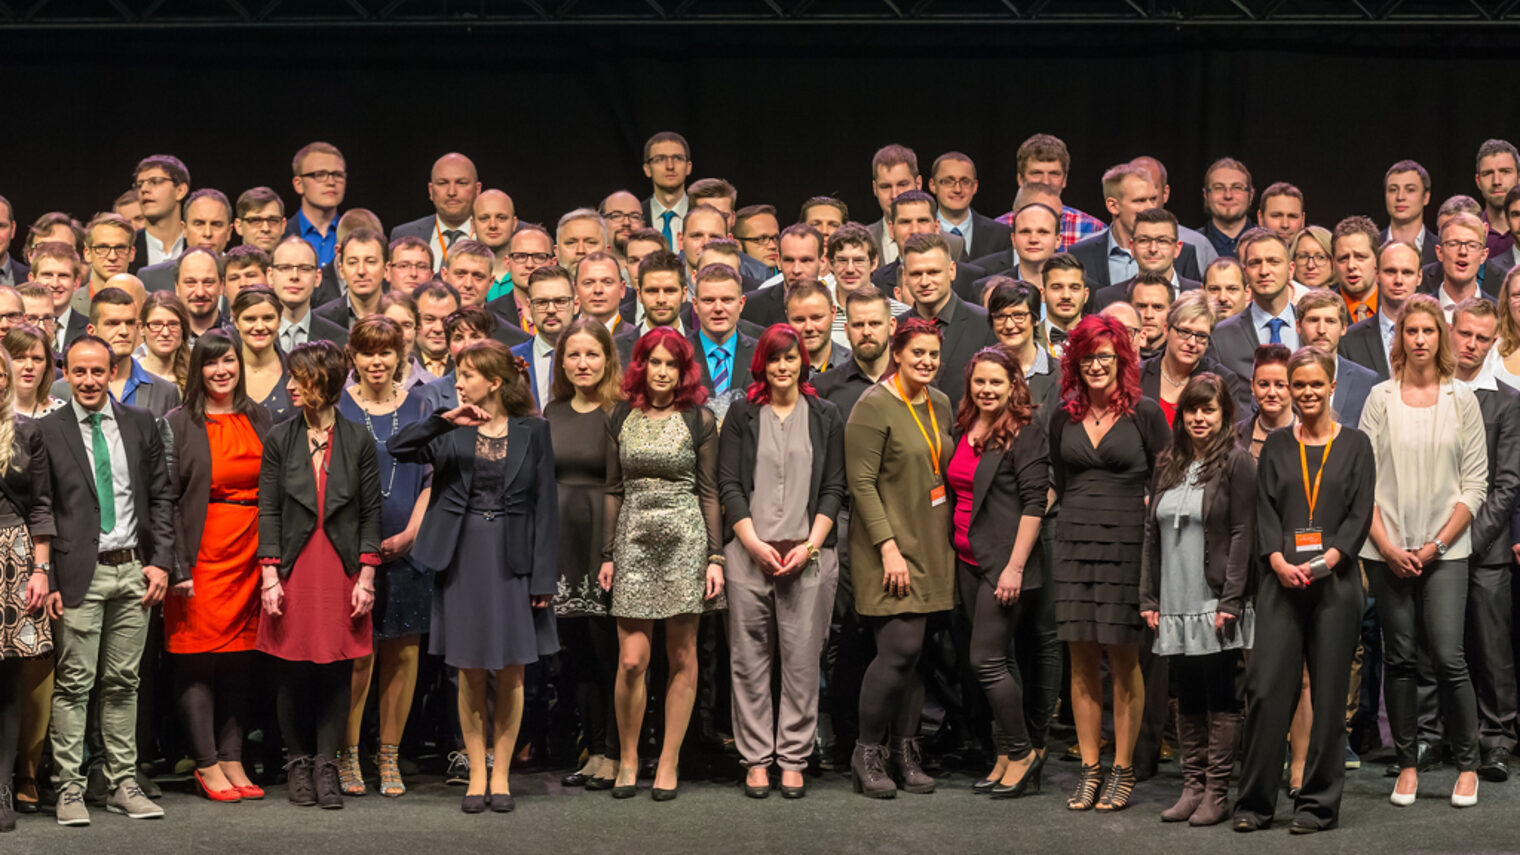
x=1478, y=307
x=320, y=367
x=1227, y=163
x=257, y=197
x=1282, y=188
x=376, y=333
x=712, y=188
x=47, y=222
x=852, y=234
x=1322, y=298
x=667, y=136
x=825, y=201
x=171, y=165
x=1408, y=166
x=948, y=156
x=919, y=244
x=1357, y=225
x=808, y=288
x=1254, y=236
x=891, y=155
x=364, y=235
x=57, y=249
x=1043, y=148
x=1113, y=179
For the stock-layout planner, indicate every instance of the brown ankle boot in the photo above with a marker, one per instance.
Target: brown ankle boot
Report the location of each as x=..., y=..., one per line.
x=906, y=763
x=1224, y=731
x=1193, y=742
x=868, y=767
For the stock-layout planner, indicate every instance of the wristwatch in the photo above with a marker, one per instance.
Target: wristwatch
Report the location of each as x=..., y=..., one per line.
x=1441, y=547
x=812, y=550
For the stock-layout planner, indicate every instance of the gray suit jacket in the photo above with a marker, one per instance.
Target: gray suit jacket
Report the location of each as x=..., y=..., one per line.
x=420, y=228
x=1234, y=343
x=155, y=277
x=881, y=235
x=1363, y=344
x=1092, y=251
x=1491, y=528
x=1353, y=382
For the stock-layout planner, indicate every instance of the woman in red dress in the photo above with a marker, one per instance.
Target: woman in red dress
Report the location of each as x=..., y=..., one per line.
x=210, y=626
x=319, y=544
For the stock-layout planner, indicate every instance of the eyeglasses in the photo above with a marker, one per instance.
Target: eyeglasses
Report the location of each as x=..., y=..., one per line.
x=557, y=303
x=157, y=327
x=414, y=266
x=1459, y=245
x=336, y=176
x=535, y=257
x=1190, y=335
x=293, y=269
x=1018, y=316
x=634, y=217
x=1221, y=189
x=41, y=320
x=262, y=222
x=760, y=239
x=156, y=181
x=12, y=318
x=110, y=250
x=1316, y=259
x=1097, y=359
x=953, y=183
x=663, y=159
x=1157, y=242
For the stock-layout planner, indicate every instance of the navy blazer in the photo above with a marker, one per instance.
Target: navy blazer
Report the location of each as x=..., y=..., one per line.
x=525, y=350
x=1009, y=483
x=738, y=446
x=440, y=394
x=1363, y=344
x=531, y=530
x=1092, y=251
x=738, y=374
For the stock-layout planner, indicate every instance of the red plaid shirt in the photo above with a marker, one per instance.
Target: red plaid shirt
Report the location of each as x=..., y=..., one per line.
x=1075, y=225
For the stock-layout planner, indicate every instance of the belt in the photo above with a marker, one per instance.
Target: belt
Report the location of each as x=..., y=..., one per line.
x=486, y=514
x=113, y=557
x=246, y=503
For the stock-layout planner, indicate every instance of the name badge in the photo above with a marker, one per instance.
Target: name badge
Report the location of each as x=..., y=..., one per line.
x=937, y=496
x=1308, y=540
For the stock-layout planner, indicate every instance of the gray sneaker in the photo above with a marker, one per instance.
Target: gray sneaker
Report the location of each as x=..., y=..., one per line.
x=71, y=809
x=130, y=801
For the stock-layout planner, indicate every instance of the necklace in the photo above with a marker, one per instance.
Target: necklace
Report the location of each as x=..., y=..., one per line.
x=1098, y=416
x=363, y=401
x=1169, y=378
x=369, y=425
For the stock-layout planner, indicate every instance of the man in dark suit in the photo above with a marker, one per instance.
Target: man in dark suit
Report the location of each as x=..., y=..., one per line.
x=1322, y=321
x=1155, y=247
x=293, y=277
x=162, y=183
x=1369, y=341
x=801, y=259
x=113, y=509
x=953, y=182
x=468, y=270
x=929, y=272
x=56, y=267
x=208, y=223
x=1489, y=649
x=452, y=187
x=1036, y=237
x=1406, y=193
x=12, y=269
x=113, y=319
x=667, y=163
x=810, y=312
x=722, y=351
x=1107, y=256
x=553, y=305
x=1270, y=318
x=362, y=257
x=915, y=213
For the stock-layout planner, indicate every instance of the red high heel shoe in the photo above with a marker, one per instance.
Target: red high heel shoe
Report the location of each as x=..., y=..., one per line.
x=231, y=794
x=252, y=791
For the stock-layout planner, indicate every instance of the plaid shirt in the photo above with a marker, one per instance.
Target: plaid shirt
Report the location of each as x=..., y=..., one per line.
x=1075, y=225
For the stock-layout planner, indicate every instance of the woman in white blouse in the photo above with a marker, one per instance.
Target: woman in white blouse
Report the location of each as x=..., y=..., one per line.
x=1432, y=466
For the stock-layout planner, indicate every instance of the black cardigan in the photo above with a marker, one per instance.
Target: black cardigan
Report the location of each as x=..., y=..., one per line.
x=737, y=448
x=1344, y=507
x=1009, y=484
x=1229, y=530
x=288, y=494
x=190, y=464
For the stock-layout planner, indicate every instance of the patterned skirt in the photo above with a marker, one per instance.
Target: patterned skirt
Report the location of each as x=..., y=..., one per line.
x=22, y=635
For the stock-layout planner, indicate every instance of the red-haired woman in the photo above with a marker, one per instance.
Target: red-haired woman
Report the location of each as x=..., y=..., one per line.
x=1000, y=472
x=779, y=445
x=663, y=556
x=901, y=562
x=1102, y=450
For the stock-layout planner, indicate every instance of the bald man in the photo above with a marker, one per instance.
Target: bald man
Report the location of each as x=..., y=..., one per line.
x=452, y=187
x=495, y=217
x=80, y=302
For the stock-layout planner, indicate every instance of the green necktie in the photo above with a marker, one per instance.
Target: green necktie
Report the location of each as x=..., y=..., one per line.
x=104, y=488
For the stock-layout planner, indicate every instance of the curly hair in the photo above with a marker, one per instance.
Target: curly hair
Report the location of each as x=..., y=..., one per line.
x=689, y=391
x=1085, y=337
x=775, y=341
x=1016, y=413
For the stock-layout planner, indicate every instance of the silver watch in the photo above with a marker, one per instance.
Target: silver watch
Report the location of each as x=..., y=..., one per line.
x=1441, y=547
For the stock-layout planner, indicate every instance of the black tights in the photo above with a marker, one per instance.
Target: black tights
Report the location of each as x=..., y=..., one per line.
x=592, y=647
x=312, y=706
x=10, y=717
x=891, y=695
x=992, y=629
x=1206, y=684
x=213, y=698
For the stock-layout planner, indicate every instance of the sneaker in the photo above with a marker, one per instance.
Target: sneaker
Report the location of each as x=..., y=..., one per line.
x=71, y=809
x=458, y=773
x=1352, y=760
x=129, y=801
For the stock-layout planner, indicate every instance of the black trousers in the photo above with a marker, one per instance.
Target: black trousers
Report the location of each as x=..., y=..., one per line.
x=993, y=626
x=213, y=699
x=10, y=716
x=1317, y=626
x=590, y=659
x=311, y=702
x=1490, y=662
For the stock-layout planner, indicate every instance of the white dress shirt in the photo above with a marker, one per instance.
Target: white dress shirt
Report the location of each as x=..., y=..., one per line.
x=157, y=253
x=124, y=534
x=438, y=241
x=543, y=364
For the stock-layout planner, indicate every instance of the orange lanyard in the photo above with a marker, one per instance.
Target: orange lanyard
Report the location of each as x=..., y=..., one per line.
x=443, y=245
x=934, y=443
x=1303, y=459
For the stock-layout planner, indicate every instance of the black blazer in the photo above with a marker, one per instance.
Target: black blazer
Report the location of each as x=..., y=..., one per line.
x=765, y=306
x=334, y=312
x=738, y=444
x=987, y=236
x=1119, y=292
x=76, y=509
x=744, y=353
x=531, y=532
x=1491, y=529
x=1491, y=276
x=288, y=494
x=1092, y=251
x=1427, y=252
x=1229, y=532
x=189, y=463
x=1363, y=344
x=966, y=275
x=324, y=330
x=1240, y=390
x=1009, y=484
x=327, y=289
x=19, y=269
x=1235, y=341
x=25, y=485
x=966, y=331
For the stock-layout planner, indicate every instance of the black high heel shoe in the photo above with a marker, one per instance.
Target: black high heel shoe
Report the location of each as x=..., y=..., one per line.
x=1121, y=783
x=984, y=786
x=1088, y=785
x=1030, y=779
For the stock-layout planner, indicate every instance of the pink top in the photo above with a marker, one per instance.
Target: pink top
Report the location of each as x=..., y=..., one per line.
x=962, y=474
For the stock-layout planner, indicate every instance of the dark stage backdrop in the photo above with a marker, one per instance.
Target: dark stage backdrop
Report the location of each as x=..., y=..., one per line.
x=556, y=116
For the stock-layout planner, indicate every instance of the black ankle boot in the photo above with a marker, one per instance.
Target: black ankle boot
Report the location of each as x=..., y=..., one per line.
x=302, y=789
x=329, y=791
x=868, y=767
x=906, y=762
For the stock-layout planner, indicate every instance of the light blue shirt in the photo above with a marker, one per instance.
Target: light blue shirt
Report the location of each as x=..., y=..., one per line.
x=1289, y=333
x=1121, y=264
x=1385, y=330
x=714, y=350
x=964, y=227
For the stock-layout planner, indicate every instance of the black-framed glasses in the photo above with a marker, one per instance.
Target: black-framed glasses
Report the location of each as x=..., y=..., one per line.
x=663, y=159
x=1191, y=335
x=155, y=181
x=262, y=222
x=560, y=303
x=293, y=269
x=326, y=175
x=634, y=217
x=1097, y=359
x=535, y=257
x=1459, y=245
x=110, y=250
x=157, y=327
x=1317, y=259
x=1018, y=316
x=40, y=320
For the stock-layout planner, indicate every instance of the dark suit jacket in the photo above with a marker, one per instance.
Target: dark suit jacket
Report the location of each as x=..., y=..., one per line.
x=324, y=330
x=1229, y=533
x=440, y=393
x=1353, y=382
x=1494, y=269
x=987, y=236
x=189, y=456
x=76, y=508
x=1008, y=484
x=1000, y=263
x=738, y=446
x=531, y=532
x=1092, y=251
x=1491, y=526
x=156, y=395
x=765, y=306
x=1363, y=344
x=78, y=322
x=158, y=277
x=140, y=257
x=966, y=330
x=1119, y=292
x=26, y=484
x=335, y=312
x=1234, y=343
x=1240, y=388
x=744, y=353
x=419, y=228
x=1427, y=252
x=19, y=269
x=966, y=274
x=288, y=495
x=624, y=339
x=327, y=289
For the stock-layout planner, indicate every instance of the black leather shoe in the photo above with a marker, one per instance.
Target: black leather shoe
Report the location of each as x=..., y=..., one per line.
x=1246, y=824
x=473, y=804
x=662, y=795
x=502, y=803
x=984, y=786
x=575, y=779
x=757, y=792
x=599, y=783
x=1302, y=826
x=1495, y=765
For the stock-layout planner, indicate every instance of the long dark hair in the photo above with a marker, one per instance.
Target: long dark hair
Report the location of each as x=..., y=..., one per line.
x=1172, y=467
x=210, y=347
x=1016, y=413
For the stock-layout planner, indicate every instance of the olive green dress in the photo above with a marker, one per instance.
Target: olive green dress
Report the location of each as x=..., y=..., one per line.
x=887, y=461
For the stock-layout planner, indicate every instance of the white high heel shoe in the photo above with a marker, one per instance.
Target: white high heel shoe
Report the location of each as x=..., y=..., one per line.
x=1461, y=801
x=1399, y=799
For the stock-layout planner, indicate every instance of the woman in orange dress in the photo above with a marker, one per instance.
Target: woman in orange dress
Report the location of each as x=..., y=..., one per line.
x=212, y=624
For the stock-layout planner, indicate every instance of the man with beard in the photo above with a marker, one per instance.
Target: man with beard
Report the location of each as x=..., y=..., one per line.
x=452, y=187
